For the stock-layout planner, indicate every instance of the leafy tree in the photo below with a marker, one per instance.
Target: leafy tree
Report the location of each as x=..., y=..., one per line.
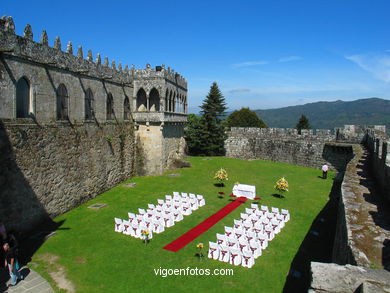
x=303, y=123
x=245, y=118
x=205, y=135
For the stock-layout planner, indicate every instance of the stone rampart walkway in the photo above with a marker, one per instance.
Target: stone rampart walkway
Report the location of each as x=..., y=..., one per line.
x=33, y=283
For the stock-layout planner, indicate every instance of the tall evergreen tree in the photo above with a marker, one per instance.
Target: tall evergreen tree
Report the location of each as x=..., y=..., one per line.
x=205, y=135
x=213, y=109
x=303, y=123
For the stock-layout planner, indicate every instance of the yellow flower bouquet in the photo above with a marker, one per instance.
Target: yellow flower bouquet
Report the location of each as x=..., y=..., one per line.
x=281, y=185
x=200, y=246
x=221, y=175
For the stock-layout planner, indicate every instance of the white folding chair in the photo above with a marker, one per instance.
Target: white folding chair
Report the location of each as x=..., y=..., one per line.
x=255, y=247
x=186, y=210
x=126, y=227
x=264, y=208
x=237, y=224
x=254, y=207
x=177, y=216
x=250, y=236
x=136, y=231
x=275, y=225
x=269, y=216
x=118, y=225
x=221, y=239
x=141, y=211
x=248, y=259
x=263, y=238
x=160, y=202
x=175, y=193
x=270, y=232
x=243, y=244
x=151, y=206
x=169, y=222
x=191, y=195
x=131, y=216
x=249, y=211
x=286, y=215
x=228, y=231
x=280, y=218
x=232, y=242
x=201, y=200
x=275, y=210
x=213, y=252
x=258, y=229
x=239, y=233
x=169, y=197
x=194, y=204
x=235, y=256
x=184, y=195
x=244, y=216
x=157, y=227
x=224, y=254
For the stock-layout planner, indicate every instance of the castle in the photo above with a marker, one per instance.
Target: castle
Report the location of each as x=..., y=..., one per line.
x=72, y=127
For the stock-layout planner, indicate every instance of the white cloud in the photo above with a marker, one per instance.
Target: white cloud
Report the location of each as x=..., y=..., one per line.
x=239, y=91
x=289, y=58
x=250, y=63
x=377, y=64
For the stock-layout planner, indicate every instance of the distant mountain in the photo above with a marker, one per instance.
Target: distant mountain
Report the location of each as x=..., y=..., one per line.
x=328, y=115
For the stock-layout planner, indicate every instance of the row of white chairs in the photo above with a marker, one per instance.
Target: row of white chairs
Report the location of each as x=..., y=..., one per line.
x=250, y=235
x=158, y=217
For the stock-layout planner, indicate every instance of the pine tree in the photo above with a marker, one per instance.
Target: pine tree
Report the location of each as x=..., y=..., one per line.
x=205, y=135
x=245, y=118
x=213, y=109
x=303, y=123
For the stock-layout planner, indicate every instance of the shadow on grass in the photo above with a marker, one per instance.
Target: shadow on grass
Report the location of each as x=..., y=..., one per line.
x=219, y=184
x=317, y=245
x=277, y=195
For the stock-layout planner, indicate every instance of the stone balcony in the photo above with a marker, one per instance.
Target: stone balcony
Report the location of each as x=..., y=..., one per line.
x=159, y=117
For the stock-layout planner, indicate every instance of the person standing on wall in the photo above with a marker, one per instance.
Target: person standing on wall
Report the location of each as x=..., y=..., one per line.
x=325, y=169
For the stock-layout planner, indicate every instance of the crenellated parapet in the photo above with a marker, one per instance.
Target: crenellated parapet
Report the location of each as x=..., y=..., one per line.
x=24, y=47
x=161, y=72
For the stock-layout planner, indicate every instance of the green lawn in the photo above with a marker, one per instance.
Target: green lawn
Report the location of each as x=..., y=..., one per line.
x=97, y=259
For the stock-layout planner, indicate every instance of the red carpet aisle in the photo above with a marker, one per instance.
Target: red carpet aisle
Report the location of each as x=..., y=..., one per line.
x=186, y=238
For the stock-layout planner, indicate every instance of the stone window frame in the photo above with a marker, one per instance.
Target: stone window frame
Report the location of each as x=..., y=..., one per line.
x=138, y=101
x=89, y=100
x=110, y=114
x=30, y=109
x=62, y=102
x=126, y=108
x=153, y=99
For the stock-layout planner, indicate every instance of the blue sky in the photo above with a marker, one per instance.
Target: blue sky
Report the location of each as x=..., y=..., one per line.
x=262, y=54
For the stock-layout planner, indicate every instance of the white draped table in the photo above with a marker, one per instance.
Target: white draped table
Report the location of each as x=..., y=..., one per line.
x=248, y=191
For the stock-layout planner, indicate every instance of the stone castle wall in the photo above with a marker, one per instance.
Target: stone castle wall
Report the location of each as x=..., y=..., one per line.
x=50, y=169
x=379, y=146
x=307, y=149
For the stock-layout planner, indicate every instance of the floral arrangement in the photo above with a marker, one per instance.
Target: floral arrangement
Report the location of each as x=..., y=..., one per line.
x=221, y=175
x=145, y=234
x=281, y=185
x=200, y=246
x=237, y=183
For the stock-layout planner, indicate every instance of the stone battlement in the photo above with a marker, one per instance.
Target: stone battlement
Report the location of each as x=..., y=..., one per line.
x=27, y=49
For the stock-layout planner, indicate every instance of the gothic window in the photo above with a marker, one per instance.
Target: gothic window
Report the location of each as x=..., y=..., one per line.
x=110, y=107
x=166, y=101
x=126, y=109
x=22, y=98
x=141, y=100
x=154, y=101
x=170, y=102
x=89, y=103
x=62, y=102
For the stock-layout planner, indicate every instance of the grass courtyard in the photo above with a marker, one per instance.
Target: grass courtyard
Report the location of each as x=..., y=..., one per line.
x=94, y=258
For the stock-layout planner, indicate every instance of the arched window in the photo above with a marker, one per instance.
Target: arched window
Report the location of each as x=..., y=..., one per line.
x=62, y=102
x=22, y=98
x=126, y=109
x=170, y=102
x=166, y=101
x=110, y=107
x=141, y=100
x=154, y=101
x=89, y=103
x=174, y=102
